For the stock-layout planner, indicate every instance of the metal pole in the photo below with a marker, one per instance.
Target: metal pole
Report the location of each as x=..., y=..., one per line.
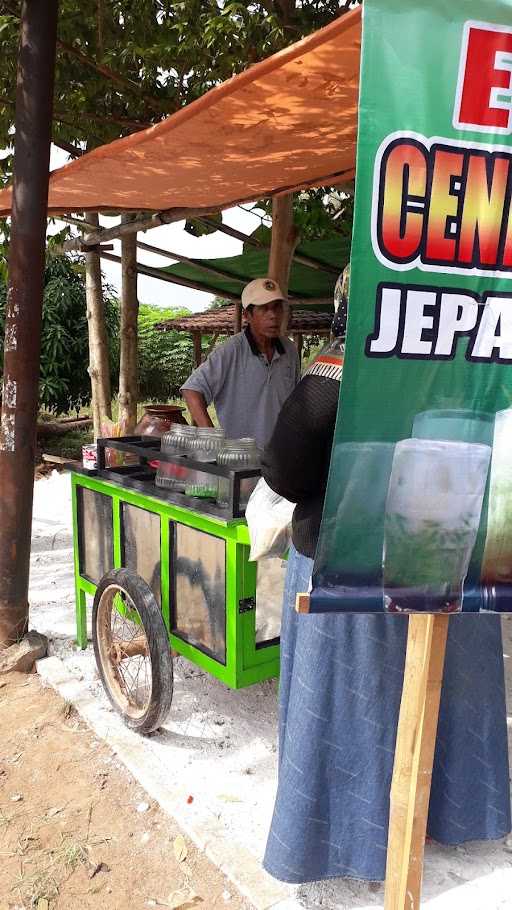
x=22, y=342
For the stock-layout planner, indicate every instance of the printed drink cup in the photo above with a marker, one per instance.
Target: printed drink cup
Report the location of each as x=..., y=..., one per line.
x=497, y=559
x=433, y=509
x=349, y=552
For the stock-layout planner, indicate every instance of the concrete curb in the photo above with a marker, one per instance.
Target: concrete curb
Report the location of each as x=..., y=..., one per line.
x=237, y=864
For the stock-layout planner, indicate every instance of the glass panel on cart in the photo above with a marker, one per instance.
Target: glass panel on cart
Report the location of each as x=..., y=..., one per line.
x=140, y=541
x=199, y=614
x=269, y=598
x=95, y=534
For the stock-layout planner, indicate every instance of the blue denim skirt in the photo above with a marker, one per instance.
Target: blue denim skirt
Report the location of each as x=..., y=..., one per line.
x=340, y=689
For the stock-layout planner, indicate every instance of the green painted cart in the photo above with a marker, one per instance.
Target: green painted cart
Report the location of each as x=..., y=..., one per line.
x=167, y=579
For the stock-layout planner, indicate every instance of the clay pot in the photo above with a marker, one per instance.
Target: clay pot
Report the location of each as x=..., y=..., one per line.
x=157, y=419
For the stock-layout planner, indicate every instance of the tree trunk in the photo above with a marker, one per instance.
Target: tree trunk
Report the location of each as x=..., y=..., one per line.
x=128, y=361
x=22, y=340
x=285, y=237
x=99, y=368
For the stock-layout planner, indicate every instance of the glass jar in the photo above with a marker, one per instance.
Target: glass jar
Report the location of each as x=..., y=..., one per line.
x=205, y=448
x=178, y=440
x=238, y=454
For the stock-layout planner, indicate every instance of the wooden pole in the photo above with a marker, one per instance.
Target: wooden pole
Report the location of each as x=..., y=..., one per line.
x=22, y=330
x=299, y=340
x=253, y=241
x=237, y=322
x=285, y=237
x=131, y=226
x=153, y=272
x=414, y=757
x=128, y=360
x=196, y=337
x=99, y=366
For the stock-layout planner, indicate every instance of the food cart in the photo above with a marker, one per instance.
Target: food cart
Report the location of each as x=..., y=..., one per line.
x=166, y=569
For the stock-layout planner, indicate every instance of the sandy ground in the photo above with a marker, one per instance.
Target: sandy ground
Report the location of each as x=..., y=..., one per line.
x=77, y=830
x=221, y=747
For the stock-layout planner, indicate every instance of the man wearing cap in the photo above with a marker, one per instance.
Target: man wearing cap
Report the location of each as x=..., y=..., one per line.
x=250, y=376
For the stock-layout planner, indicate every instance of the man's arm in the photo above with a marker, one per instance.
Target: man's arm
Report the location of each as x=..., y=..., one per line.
x=203, y=385
x=196, y=403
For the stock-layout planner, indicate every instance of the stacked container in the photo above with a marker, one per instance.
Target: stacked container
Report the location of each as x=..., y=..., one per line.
x=238, y=453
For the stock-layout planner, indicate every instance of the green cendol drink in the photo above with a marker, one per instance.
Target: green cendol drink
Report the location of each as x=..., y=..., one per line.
x=433, y=511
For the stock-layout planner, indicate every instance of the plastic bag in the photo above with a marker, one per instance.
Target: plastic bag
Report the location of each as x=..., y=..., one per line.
x=269, y=517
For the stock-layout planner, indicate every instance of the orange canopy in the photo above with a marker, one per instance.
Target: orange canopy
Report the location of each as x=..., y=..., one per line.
x=287, y=122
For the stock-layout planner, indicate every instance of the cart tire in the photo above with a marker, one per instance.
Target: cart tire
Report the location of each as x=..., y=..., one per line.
x=126, y=615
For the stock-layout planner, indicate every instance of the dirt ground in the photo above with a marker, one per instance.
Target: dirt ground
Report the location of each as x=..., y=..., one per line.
x=76, y=831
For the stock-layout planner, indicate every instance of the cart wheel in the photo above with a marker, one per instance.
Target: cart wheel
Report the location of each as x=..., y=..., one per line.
x=132, y=650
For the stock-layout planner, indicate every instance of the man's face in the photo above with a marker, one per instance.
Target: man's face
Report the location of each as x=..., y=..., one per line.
x=266, y=320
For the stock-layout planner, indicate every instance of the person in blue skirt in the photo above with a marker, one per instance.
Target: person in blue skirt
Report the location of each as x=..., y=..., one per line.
x=340, y=689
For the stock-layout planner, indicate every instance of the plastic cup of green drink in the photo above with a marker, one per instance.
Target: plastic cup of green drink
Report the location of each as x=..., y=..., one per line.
x=349, y=552
x=433, y=509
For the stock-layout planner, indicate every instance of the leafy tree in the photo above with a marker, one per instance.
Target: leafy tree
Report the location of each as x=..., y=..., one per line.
x=64, y=382
x=166, y=359
x=122, y=64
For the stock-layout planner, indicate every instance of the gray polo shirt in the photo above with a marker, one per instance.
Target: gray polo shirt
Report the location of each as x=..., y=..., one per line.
x=248, y=392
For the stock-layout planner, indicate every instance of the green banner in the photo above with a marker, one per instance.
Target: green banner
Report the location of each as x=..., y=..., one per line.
x=418, y=513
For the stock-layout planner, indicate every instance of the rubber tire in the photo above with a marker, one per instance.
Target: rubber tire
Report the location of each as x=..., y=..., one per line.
x=159, y=649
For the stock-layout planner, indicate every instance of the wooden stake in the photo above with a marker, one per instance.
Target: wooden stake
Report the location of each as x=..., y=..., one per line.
x=414, y=757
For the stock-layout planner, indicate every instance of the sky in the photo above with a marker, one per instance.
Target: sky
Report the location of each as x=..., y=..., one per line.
x=174, y=238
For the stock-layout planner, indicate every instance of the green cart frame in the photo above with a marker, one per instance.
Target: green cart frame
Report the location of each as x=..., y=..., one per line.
x=118, y=528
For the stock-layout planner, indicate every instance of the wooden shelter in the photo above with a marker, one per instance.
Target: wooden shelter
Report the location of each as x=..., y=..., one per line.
x=222, y=321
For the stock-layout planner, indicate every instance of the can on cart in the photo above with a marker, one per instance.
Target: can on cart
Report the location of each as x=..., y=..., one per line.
x=90, y=457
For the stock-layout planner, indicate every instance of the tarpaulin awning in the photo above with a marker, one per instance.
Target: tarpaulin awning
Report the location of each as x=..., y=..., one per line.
x=305, y=281
x=286, y=122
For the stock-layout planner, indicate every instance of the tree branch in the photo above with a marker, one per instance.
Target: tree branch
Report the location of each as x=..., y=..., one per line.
x=161, y=106
x=72, y=150
x=60, y=117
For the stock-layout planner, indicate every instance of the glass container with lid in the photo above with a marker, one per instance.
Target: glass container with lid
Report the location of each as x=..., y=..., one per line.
x=238, y=454
x=206, y=447
x=178, y=440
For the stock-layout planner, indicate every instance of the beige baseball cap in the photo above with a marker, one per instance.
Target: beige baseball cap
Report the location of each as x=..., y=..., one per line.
x=261, y=291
